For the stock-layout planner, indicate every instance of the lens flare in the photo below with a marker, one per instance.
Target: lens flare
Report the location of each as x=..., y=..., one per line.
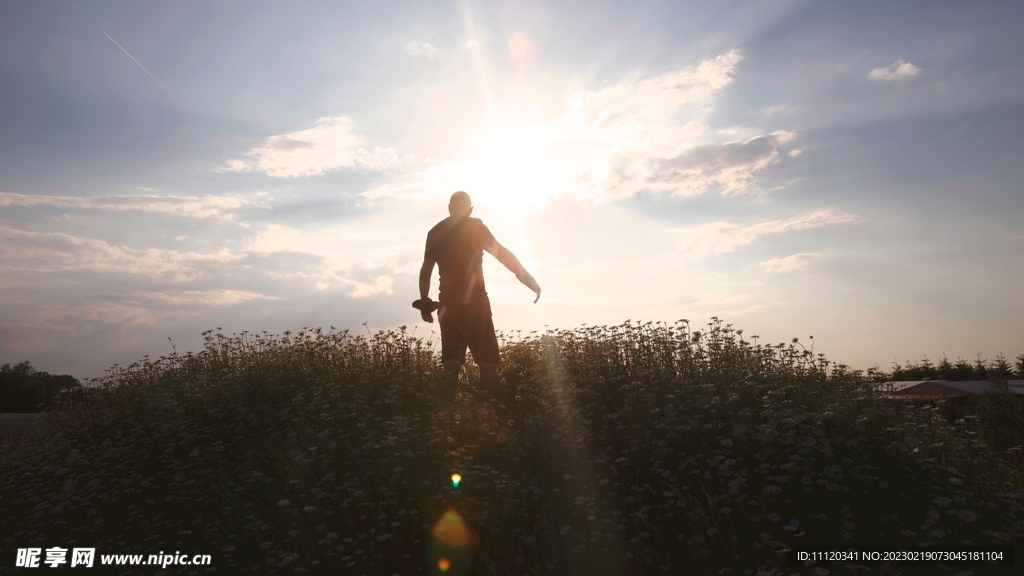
x=451, y=546
x=520, y=49
x=456, y=479
x=452, y=530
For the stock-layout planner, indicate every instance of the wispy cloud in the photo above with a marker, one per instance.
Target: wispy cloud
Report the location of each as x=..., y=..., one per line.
x=732, y=165
x=899, y=70
x=36, y=322
x=187, y=206
x=322, y=259
x=360, y=265
x=722, y=237
x=423, y=49
x=52, y=318
x=789, y=263
x=333, y=143
x=54, y=251
x=224, y=297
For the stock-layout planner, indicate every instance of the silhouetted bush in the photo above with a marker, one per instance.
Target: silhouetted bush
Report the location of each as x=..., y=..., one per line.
x=1001, y=418
x=24, y=389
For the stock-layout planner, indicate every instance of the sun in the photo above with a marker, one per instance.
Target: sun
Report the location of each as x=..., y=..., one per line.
x=512, y=169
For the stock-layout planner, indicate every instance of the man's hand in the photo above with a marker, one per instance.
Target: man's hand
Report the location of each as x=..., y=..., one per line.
x=530, y=283
x=426, y=306
x=509, y=260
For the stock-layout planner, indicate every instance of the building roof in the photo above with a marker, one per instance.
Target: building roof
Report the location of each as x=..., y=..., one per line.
x=945, y=388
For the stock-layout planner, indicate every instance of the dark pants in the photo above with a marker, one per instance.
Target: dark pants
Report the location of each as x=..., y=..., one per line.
x=468, y=324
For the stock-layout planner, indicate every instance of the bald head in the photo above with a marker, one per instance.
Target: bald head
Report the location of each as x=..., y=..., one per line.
x=460, y=205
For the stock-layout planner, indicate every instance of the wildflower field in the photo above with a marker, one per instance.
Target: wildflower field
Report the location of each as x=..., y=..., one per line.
x=632, y=449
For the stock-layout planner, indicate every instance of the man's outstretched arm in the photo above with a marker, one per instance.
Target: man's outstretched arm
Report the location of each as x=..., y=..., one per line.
x=509, y=260
x=425, y=273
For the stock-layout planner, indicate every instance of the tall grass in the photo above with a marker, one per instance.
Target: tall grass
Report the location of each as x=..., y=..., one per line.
x=630, y=449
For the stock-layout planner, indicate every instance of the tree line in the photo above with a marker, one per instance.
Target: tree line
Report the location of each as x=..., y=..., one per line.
x=25, y=389
x=997, y=369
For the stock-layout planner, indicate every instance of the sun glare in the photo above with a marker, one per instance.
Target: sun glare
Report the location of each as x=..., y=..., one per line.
x=507, y=173
x=510, y=175
x=520, y=49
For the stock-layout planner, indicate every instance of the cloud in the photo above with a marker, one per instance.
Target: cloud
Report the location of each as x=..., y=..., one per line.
x=39, y=319
x=898, y=71
x=722, y=237
x=603, y=143
x=40, y=328
x=382, y=284
x=276, y=253
x=224, y=297
x=361, y=264
x=789, y=263
x=778, y=110
x=732, y=165
x=186, y=206
x=331, y=144
x=54, y=282
x=631, y=104
x=423, y=49
x=42, y=252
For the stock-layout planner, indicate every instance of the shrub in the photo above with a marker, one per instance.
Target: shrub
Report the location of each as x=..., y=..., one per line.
x=1001, y=418
x=24, y=389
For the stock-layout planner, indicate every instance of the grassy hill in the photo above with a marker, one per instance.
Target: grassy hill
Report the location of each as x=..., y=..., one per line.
x=631, y=449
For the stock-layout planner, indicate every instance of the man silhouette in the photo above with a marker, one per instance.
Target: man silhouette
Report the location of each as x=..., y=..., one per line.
x=456, y=245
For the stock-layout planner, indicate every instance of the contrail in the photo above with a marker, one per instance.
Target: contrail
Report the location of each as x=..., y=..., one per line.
x=169, y=93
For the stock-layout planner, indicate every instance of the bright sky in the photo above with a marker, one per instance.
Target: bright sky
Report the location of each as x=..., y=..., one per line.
x=847, y=170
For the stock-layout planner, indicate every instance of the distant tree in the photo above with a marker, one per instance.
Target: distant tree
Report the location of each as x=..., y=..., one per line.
x=944, y=368
x=876, y=374
x=1000, y=368
x=980, y=368
x=923, y=370
x=960, y=370
x=25, y=389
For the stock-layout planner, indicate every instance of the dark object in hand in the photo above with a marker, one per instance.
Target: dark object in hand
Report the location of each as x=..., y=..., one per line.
x=425, y=305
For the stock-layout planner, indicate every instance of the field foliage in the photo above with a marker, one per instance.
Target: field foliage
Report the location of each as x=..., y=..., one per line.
x=631, y=449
